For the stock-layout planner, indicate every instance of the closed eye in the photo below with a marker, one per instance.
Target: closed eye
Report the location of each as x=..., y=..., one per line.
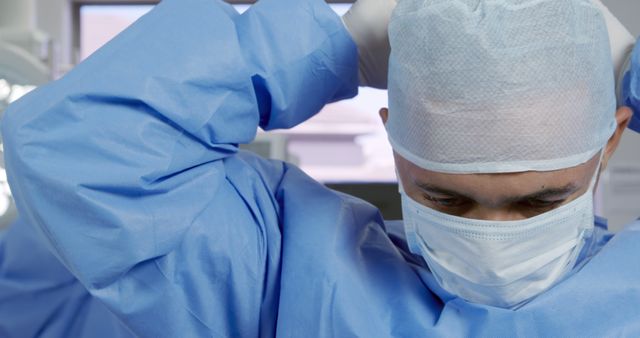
x=446, y=202
x=542, y=204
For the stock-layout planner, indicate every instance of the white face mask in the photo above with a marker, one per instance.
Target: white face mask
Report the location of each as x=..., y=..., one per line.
x=499, y=263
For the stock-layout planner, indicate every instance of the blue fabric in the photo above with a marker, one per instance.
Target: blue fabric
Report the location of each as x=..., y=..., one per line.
x=140, y=217
x=631, y=88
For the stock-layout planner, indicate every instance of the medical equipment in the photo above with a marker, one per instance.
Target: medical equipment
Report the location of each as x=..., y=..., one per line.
x=24, y=52
x=19, y=73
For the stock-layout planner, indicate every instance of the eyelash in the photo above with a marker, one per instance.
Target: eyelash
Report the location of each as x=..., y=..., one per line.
x=445, y=202
x=454, y=202
x=542, y=204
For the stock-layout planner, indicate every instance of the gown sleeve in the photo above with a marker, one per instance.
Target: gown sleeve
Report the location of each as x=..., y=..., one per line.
x=123, y=165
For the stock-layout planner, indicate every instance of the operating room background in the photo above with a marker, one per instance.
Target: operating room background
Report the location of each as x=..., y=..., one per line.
x=619, y=197
x=620, y=193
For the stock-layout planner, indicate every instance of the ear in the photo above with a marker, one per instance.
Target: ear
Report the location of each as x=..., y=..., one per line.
x=623, y=117
x=384, y=114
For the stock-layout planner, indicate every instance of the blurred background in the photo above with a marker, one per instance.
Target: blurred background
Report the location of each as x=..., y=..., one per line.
x=344, y=146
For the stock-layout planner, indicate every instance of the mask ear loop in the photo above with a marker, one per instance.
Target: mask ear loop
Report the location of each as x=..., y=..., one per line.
x=400, y=187
x=597, y=193
x=594, y=179
x=587, y=232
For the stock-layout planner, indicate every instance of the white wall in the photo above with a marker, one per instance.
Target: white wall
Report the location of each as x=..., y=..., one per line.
x=627, y=11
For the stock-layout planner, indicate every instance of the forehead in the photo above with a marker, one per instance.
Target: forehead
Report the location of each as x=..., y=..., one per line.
x=496, y=186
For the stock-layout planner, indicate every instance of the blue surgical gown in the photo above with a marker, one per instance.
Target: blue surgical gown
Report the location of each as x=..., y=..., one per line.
x=139, y=216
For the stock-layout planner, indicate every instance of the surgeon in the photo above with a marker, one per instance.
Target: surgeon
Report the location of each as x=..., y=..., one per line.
x=139, y=216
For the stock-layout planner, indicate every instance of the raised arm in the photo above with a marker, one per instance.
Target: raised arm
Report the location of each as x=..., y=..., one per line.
x=117, y=162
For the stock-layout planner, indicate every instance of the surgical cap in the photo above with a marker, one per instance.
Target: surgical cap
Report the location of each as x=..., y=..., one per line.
x=499, y=86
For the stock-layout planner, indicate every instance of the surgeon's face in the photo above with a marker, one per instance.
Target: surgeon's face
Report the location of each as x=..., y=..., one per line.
x=502, y=197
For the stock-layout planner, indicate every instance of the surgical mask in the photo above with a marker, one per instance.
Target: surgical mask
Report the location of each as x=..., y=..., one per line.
x=499, y=263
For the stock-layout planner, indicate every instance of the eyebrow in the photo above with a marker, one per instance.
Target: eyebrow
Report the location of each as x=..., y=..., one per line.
x=548, y=193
